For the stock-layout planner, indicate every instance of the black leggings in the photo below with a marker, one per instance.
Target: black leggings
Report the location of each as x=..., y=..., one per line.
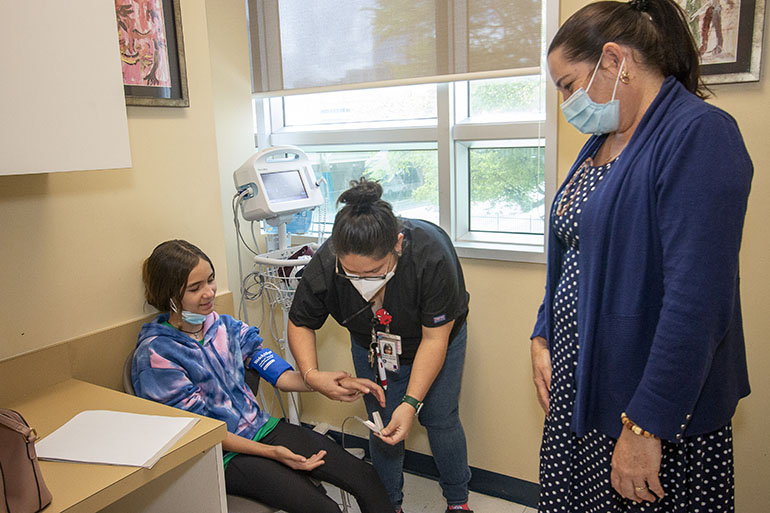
x=279, y=486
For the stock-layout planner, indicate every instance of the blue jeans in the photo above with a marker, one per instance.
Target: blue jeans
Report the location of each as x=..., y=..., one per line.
x=440, y=416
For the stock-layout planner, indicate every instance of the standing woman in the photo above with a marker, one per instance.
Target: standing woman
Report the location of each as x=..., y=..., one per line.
x=397, y=286
x=638, y=353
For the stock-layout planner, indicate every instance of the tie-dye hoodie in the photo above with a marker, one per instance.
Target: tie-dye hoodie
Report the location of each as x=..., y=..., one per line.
x=204, y=377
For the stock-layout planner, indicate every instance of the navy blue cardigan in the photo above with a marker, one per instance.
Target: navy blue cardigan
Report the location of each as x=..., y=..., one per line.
x=659, y=316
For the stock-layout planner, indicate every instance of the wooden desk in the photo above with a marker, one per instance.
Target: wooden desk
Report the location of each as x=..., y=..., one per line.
x=188, y=478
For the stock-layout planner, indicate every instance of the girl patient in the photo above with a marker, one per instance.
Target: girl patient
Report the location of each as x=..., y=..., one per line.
x=192, y=358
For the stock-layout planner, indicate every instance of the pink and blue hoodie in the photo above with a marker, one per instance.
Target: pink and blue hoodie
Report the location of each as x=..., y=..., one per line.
x=205, y=377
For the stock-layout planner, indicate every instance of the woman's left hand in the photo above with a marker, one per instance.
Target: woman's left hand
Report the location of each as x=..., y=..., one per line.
x=399, y=425
x=635, y=467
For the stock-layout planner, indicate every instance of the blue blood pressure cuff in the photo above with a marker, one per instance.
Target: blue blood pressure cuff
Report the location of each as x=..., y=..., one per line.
x=269, y=365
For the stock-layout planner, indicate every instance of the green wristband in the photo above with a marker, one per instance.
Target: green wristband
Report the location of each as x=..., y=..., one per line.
x=414, y=403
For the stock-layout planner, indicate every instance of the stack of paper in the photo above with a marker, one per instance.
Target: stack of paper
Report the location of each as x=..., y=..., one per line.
x=114, y=438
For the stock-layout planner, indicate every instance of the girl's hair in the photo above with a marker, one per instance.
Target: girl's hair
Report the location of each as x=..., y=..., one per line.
x=658, y=29
x=166, y=270
x=366, y=224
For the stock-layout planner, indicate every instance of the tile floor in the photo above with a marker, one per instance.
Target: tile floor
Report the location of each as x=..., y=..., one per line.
x=423, y=495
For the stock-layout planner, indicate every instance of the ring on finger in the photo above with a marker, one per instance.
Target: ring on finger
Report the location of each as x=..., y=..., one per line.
x=640, y=488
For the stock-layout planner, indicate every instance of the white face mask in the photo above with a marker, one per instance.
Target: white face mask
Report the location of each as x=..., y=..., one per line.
x=369, y=288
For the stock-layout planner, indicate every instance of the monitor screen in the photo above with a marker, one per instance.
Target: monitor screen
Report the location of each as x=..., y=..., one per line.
x=284, y=186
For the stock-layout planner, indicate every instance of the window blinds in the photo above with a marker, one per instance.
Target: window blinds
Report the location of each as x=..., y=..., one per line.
x=300, y=46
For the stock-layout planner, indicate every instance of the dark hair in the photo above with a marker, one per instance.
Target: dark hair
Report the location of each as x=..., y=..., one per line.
x=657, y=29
x=366, y=224
x=166, y=270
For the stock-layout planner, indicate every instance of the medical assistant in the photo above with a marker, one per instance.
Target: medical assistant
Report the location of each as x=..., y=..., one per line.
x=428, y=289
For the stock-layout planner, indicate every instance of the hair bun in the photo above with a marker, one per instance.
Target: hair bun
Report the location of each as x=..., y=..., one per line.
x=640, y=5
x=362, y=193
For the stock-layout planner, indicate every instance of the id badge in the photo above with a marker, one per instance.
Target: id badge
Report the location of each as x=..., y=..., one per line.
x=390, y=347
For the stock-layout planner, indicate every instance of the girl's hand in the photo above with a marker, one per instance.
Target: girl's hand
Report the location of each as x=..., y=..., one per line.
x=295, y=461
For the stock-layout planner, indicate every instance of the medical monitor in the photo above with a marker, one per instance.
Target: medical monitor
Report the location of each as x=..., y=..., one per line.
x=284, y=186
x=280, y=182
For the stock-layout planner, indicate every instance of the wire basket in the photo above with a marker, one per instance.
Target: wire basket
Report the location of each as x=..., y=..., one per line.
x=277, y=273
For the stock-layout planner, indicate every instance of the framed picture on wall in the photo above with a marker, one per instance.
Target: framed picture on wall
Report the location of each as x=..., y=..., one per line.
x=152, y=52
x=728, y=34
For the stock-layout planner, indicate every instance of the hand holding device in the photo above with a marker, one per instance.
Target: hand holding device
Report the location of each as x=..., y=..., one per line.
x=399, y=426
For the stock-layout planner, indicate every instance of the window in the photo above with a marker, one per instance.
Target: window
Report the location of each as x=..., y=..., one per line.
x=405, y=104
x=505, y=99
x=409, y=180
x=507, y=190
x=476, y=157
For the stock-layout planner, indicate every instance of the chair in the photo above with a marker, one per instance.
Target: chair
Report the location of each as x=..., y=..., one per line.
x=235, y=504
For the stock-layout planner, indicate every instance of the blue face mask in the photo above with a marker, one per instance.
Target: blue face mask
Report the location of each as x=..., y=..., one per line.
x=189, y=317
x=590, y=117
x=193, y=318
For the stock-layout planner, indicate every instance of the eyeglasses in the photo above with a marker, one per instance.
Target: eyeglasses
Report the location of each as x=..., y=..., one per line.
x=353, y=277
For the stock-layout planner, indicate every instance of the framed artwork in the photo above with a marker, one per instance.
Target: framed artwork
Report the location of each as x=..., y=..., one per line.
x=152, y=52
x=728, y=34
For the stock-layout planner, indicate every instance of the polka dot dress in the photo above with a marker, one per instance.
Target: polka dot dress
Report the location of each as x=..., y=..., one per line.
x=696, y=475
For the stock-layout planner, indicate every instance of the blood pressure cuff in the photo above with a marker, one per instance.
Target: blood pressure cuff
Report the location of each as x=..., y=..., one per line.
x=269, y=365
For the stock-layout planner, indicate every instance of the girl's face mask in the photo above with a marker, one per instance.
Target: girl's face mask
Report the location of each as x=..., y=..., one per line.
x=189, y=317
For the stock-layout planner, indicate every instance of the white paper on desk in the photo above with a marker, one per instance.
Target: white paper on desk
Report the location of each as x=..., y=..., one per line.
x=114, y=438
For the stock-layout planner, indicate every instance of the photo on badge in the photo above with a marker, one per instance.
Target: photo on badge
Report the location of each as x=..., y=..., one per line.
x=388, y=351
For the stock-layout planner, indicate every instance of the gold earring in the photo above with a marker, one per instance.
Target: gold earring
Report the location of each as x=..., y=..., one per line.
x=624, y=77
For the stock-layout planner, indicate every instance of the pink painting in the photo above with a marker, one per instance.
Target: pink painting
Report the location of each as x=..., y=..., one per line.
x=143, y=46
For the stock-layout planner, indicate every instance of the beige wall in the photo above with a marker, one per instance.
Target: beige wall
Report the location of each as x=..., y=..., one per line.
x=71, y=244
x=233, y=115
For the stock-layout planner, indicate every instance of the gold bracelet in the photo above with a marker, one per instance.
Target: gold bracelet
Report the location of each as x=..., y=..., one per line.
x=304, y=378
x=635, y=429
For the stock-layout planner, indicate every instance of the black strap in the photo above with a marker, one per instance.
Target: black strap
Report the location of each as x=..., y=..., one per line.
x=362, y=310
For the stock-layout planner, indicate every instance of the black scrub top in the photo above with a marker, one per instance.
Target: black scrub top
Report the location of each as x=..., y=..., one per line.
x=428, y=289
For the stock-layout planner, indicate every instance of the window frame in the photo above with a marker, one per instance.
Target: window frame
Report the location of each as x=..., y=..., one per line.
x=452, y=139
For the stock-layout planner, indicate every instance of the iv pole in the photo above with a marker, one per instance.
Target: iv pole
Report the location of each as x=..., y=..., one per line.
x=283, y=244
